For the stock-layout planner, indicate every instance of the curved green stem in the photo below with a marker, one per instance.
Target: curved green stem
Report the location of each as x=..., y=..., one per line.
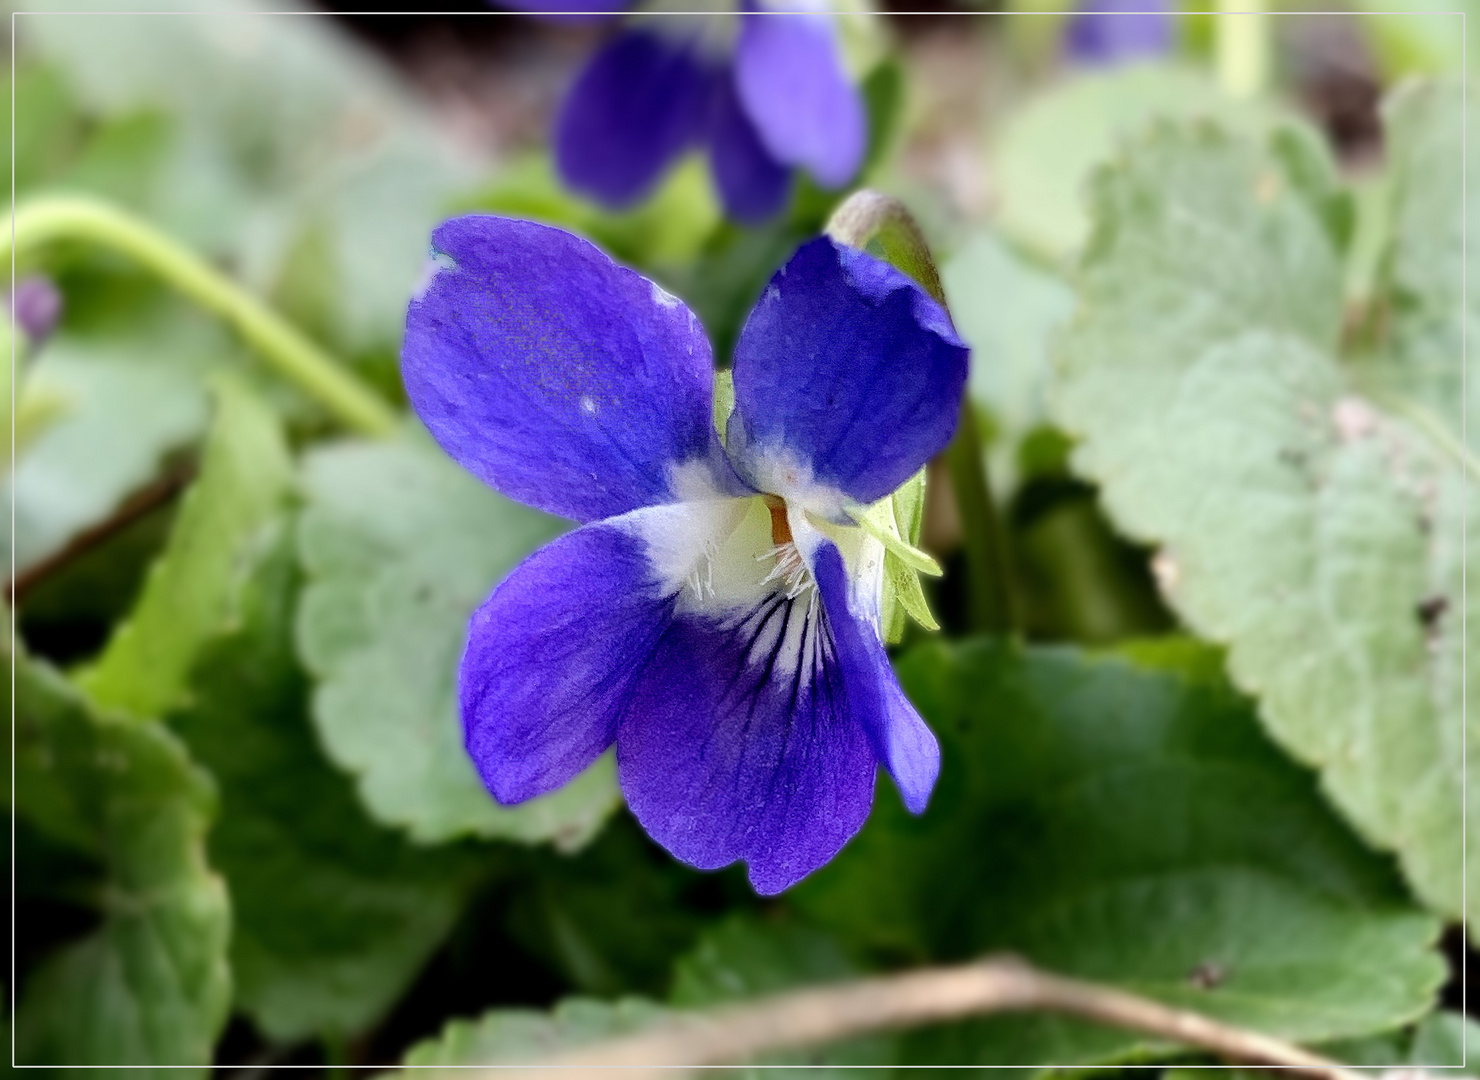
x=279, y=343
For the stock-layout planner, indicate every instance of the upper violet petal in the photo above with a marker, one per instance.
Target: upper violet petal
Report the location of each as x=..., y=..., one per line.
x=740, y=743
x=752, y=184
x=904, y=744
x=792, y=83
x=553, y=374
x=1106, y=32
x=36, y=306
x=846, y=369
x=640, y=102
x=573, y=10
x=551, y=657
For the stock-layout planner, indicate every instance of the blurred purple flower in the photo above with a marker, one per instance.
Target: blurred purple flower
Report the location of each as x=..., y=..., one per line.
x=763, y=91
x=716, y=615
x=35, y=306
x=1107, y=32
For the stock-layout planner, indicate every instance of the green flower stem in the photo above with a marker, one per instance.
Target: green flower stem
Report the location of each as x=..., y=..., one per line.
x=883, y=227
x=990, y=595
x=282, y=346
x=1243, y=46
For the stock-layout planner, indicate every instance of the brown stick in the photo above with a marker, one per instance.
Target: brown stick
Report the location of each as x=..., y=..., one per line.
x=827, y=1014
x=132, y=509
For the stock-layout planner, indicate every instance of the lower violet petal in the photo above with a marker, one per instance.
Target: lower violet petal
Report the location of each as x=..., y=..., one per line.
x=740, y=743
x=552, y=655
x=751, y=182
x=904, y=745
x=638, y=105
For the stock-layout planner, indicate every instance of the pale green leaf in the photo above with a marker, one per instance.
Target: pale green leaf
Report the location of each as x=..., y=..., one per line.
x=150, y=985
x=1007, y=311
x=525, y=1036
x=400, y=545
x=244, y=482
x=1050, y=147
x=1308, y=508
x=1127, y=824
x=1423, y=286
x=334, y=916
x=121, y=405
x=1443, y=1041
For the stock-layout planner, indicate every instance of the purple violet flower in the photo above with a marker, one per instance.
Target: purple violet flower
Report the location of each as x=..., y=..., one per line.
x=763, y=91
x=1107, y=32
x=35, y=306
x=716, y=615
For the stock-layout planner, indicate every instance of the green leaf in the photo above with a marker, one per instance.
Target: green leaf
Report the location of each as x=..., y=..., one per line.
x=1423, y=283
x=1129, y=825
x=1441, y=1041
x=1049, y=149
x=746, y=958
x=123, y=404
x=150, y=986
x=524, y=1036
x=245, y=479
x=1308, y=507
x=334, y=915
x=613, y=919
x=400, y=545
x=1436, y=1042
x=1007, y=311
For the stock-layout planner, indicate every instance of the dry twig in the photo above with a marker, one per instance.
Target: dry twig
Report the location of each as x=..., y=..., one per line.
x=827, y=1014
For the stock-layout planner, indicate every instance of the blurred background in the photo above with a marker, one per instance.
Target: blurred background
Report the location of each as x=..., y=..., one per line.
x=277, y=599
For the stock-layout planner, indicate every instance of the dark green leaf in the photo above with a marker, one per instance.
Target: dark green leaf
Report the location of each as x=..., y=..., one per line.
x=1049, y=149
x=334, y=915
x=245, y=479
x=151, y=985
x=612, y=919
x=1129, y=826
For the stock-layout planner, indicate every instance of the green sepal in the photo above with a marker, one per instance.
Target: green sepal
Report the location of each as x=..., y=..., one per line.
x=899, y=516
x=724, y=401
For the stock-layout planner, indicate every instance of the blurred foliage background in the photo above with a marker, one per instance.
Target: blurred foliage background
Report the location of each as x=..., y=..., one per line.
x=246, y=835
